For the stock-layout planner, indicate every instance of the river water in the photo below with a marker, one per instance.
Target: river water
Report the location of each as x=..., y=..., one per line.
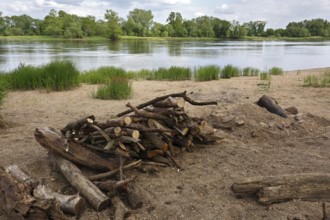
x=151, y=54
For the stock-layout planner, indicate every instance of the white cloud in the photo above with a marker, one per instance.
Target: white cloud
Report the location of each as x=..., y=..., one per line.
x=199, y=14
x=176, y=2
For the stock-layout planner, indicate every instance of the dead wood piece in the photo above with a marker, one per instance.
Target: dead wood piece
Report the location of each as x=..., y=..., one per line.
x=170, y=102
x=270, y=104
x=152, y=115
x=21, y=176
x=73, y=151
x=115, y=122
x=76, y=125
x=165, y=111
x=17, y=202
x=85, y=187
x=133, y=199
x=151, y=102
x=73, y=204
x=311, y=187
x=121, y=211
x=115, y=171
x=144, y=129
x=111, y=185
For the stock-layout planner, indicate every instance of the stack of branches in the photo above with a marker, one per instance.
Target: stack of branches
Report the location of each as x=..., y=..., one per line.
x=150, y=133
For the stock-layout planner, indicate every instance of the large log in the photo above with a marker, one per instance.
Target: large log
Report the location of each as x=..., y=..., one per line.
x=17, y=203
x=73, y=204
x=85, y=187
x=71, y=150
x=311, y=187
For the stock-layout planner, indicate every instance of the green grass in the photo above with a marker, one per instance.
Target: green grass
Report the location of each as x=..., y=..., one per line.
x=230, y=71
x=174, y=73
x=141, y=74
x=207, y=73
x=54, y=76
x=250, y=71
x=276, y=71
x=3, y=90
x=102, y=75
x=117, y=88
x=25, y=77
x=59, y=76
x=318, y=81
x=265, y=76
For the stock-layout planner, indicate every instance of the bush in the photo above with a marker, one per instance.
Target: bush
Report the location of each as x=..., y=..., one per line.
x=206, y=73
x=117, y=88
x=60, y=75
x=250, y=71
x=102, y=75
x=276, y=71
x=230, y=71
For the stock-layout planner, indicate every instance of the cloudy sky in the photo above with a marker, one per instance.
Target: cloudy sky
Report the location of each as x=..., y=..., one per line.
x=277, y=13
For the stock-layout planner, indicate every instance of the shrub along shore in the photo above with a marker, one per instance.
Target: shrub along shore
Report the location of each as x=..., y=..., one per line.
x=115, y=82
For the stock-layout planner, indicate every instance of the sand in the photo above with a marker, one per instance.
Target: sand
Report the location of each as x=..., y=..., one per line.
x=202, y=189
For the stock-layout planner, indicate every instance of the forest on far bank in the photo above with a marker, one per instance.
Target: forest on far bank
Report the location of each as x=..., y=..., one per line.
x=140, y=23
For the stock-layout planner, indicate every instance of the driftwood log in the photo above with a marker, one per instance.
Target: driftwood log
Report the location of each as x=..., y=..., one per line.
x=72, y=204
x=71, y=150
x=310, y=187
x=85, y=187
x=271, y=105
x=16, y=201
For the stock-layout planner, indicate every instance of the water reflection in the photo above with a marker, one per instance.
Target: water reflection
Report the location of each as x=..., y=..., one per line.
x=138, y=54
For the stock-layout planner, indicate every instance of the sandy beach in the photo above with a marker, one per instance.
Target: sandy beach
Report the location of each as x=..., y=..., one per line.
x=202, y=189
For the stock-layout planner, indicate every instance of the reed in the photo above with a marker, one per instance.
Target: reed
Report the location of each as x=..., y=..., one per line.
x=141, y=74
x=25, y=77
x=174, y=73
x=230, y=71
x=102, y=75
x=60, y=75
x=265, y=76
x=117, y=88
x=322, y=80
x=207, y=73
x=3, y=90
x=250, y=71
x=276, y=71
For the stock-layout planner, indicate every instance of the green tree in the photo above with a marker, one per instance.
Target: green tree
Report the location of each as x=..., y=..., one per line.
x=176, y=21
x=88, y=26
x=139, y=23
x=221, y=28
x=53, y=24
x=296, y=29
x=113, y=24
x=204, y=26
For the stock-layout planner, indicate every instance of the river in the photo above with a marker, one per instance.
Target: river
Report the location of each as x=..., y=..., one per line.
x=151, y=54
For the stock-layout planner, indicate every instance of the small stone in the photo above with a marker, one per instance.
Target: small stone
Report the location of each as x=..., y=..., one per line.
x=262, y=124
x=292, y=110
x=239, y=121
x=228, y=119
x=299, y=116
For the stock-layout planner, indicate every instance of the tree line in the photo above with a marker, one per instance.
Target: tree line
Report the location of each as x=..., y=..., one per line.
x=140, y=23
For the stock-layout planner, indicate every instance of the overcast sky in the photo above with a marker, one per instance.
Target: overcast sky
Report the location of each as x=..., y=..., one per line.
x=277, y=13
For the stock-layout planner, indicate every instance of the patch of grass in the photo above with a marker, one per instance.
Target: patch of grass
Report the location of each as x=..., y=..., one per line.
x=102, y=75
x=174, y=73
x=141, y=74
x=318, y=81
x=230, y=71
x=117, y=88
x=207, y=73
x=60, y=75
x=265, y=76
x=276, y=71
x=250, y=71
x=25, y=77
x=3, y=91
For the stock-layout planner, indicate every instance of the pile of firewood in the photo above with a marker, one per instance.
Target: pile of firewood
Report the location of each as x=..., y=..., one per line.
x=150, y=133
